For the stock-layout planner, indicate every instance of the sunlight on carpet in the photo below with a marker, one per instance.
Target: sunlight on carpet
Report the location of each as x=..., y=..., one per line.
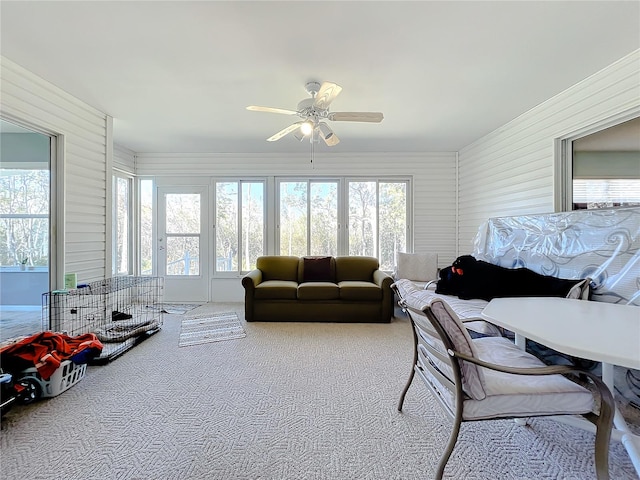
x=212, y=328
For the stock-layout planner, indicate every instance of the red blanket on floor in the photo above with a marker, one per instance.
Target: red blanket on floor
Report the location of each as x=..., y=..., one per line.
x=47, y=350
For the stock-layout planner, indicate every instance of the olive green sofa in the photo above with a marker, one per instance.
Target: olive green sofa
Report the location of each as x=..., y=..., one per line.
x=318, y=289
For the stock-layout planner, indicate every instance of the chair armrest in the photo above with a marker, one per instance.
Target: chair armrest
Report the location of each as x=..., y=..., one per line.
x=547, y=370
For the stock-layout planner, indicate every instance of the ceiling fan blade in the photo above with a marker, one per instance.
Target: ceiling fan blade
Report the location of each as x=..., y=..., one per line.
x=256, y=108
x=284, y=131
x=374, y=117
x=327, y=93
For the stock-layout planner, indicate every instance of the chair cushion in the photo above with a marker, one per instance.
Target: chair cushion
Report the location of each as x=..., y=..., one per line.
x=510, y=395
x=468, y=311
x=418, y=267
x=277, y=290
x=360, y=291
x=318, y=291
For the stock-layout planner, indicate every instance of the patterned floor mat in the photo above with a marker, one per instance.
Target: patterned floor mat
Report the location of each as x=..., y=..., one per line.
x=213, y=328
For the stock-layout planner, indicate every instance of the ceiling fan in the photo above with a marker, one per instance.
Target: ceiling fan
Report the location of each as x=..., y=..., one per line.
x=314, y=111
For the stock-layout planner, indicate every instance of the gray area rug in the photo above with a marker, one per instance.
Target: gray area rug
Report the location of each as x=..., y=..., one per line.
x=290, y=401
x=212, y=327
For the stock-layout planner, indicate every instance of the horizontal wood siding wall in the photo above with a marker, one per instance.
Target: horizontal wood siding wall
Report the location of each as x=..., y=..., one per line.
x=511, y=170
x=124, y=159
x=433, y=179
x=30, y=100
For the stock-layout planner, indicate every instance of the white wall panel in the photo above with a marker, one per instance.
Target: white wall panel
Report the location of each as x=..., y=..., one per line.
x=433, y=181
x=124, y=159
x=32, y=101
x=511, y=170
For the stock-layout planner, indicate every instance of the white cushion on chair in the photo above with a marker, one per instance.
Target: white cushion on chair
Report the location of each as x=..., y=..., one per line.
x=419, y=267
x=522, y=395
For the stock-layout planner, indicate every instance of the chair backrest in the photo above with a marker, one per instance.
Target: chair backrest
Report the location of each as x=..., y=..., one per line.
x=437, y=329
x=418, y=267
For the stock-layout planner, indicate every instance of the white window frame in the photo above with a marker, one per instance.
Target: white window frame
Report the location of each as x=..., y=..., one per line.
x=117, y=175
x=563, y=157
x=343, y=207
x=265, y=197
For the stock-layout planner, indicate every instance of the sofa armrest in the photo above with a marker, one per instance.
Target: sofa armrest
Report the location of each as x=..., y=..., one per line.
x=384, y=281
x=250, y=281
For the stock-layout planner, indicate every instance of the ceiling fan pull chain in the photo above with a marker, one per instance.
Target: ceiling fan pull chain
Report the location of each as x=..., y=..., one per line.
x=312, y=149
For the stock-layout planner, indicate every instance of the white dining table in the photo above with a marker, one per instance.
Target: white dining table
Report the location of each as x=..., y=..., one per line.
x=598, y=331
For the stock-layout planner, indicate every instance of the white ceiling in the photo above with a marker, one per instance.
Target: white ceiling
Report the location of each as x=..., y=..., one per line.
x=176, y=76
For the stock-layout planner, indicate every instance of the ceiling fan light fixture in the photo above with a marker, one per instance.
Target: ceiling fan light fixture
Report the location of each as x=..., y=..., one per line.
x=306, y=128
x=325, y=131
x=327, y=134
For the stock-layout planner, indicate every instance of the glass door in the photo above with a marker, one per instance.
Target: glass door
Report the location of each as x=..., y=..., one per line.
x=25, y=209
x=182, y=243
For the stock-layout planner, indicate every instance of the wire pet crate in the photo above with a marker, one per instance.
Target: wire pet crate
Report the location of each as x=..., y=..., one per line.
x=121, y=311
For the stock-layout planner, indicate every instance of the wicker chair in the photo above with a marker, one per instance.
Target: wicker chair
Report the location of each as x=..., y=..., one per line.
x=491, y=378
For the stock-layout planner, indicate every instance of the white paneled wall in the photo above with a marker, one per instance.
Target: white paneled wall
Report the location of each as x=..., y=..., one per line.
x=511, y=170
x=433, y=179
x=124, y=159
x=32, y=101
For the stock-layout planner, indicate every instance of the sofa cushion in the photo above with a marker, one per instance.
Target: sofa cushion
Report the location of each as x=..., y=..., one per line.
x=318, y=291
x=317, y=269
x=356, y=290
x=355, y=268
x=278, y=267
x=277, y=290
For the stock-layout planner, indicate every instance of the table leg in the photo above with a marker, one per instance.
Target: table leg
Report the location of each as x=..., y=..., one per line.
x=629, y=439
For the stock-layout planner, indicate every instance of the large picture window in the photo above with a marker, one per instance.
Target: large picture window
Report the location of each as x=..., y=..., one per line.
x=312, y=215
x=308, y=222
x=378, y=219
x=240, y=224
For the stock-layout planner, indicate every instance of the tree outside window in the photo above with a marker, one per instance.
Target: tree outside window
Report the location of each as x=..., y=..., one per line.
x=24, y=217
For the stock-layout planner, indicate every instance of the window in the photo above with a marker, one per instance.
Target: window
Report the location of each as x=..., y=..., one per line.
x=378, y=219
x=24, y=217
x=122, y=226
x=183, y=230
x=146, y=227
x=603, y=193
x=374, y=210
x=240, y=225
x=602, y=168
x=308, y=217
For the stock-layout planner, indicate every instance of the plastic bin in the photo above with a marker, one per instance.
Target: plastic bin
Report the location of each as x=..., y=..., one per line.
x=65, y=377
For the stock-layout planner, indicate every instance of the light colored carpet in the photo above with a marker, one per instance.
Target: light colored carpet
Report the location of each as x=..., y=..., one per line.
x=212, y=327
x=312, y=401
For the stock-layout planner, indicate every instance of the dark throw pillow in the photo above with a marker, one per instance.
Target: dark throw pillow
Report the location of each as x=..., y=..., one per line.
x=317, y=269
